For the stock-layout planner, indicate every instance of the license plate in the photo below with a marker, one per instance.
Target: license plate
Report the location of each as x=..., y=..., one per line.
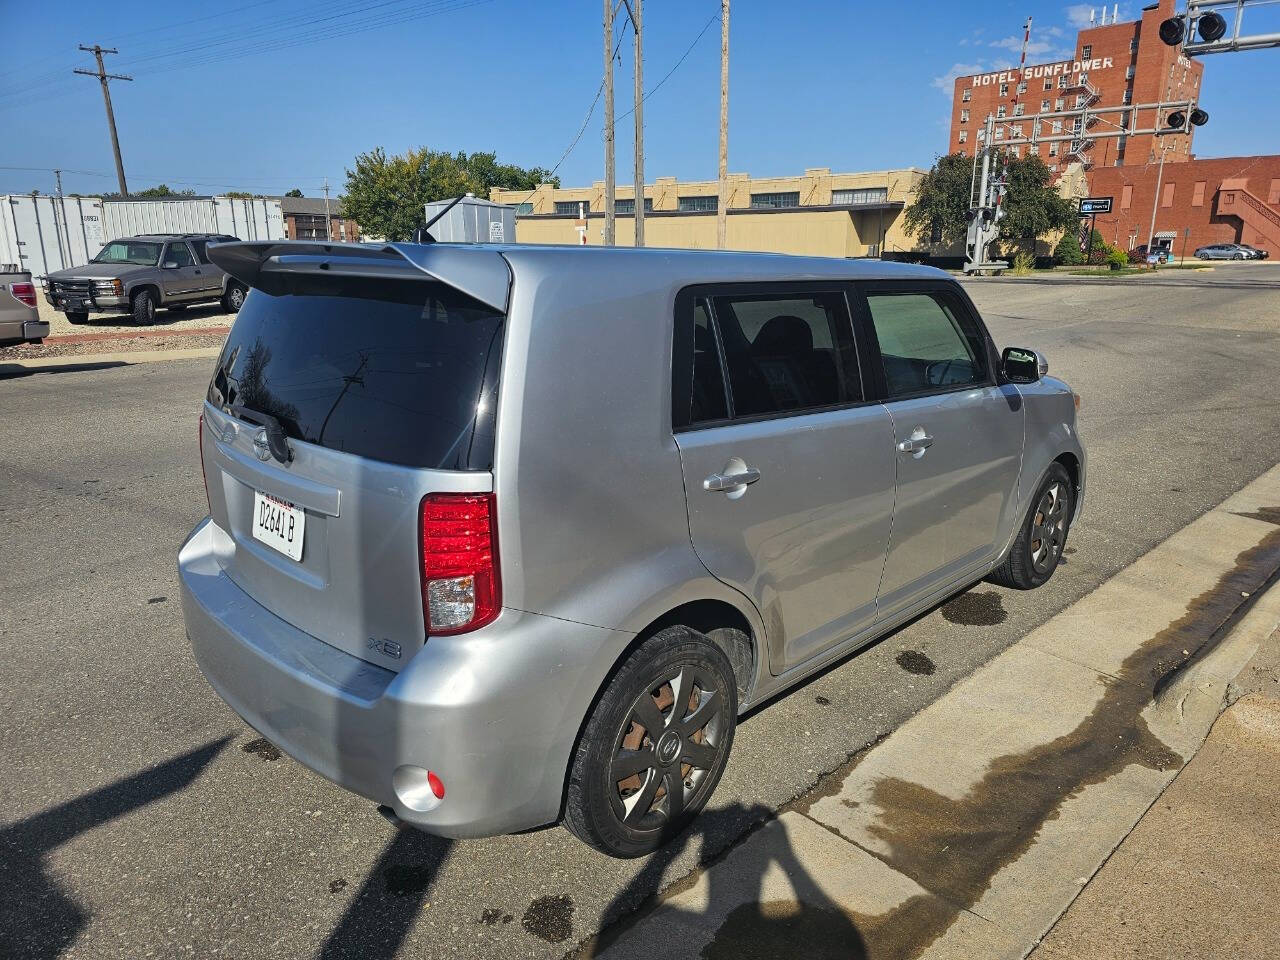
x=278, y=524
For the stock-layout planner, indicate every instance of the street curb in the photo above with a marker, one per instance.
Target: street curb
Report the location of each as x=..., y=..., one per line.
x=93, y=361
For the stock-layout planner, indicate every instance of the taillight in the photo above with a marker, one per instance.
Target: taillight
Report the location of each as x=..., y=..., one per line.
x=203, y=476
x=26, y=292
x=459, y=558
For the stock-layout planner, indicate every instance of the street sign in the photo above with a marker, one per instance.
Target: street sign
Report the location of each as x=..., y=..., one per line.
x=1094, y=205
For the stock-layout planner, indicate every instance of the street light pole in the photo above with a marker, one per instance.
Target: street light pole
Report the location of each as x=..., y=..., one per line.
x=1155, y=203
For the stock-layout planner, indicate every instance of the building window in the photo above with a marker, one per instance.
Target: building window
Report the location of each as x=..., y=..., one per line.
x=1044, y=106
x=628, y=207
x=775, y=200
x=698, y=203
x=1084, y=78
x=999, y=133
x=1129, y=72
x=1133, y=45
x=1004, y=89
x=1057, y=126
x=1017, y=109
x=1128, y=96
x=1197, y=195
x=1017, y=131
x=1075, y=125
x=1017, y=151
x=571, y=208
x=1063, y=82
x=1022, y=87
x=1053, y=148
x=1086, y=52
x=524, y=209
x=1167, y=199
x=1126, y=196
x=1048, y=83
x=309, y=227
x=853, y=198
x=967, y=95
x=982, y=134
x=1000, y=111
x=964, y=138
x=964, y=116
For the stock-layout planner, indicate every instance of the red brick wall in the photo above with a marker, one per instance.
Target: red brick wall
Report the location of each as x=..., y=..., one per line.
x=1159, y=73
x=1129, y=225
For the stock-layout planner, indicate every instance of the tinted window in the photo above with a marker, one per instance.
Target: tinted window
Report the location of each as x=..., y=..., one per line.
x=199, y=247
x=787, y=352
x=923, y=345
x=129, y=251
x=708, y=402
x=179, y=254
x=401, y=371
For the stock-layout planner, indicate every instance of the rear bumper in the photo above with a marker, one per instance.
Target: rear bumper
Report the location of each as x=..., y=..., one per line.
x=22, y=331
x=494, y=713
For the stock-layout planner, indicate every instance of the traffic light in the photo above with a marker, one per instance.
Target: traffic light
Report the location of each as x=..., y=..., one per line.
x=1177, y=120
x=1210, y=26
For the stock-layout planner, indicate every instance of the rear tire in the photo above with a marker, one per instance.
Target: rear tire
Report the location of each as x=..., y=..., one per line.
x=662, y=730
x=1042, y=537
x=77, y=317
x=144, y=308
x=233, y=299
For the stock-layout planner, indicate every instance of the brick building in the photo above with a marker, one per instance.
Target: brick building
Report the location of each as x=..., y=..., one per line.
x=1218, y=200
x=305, y=219
x=1113, y=66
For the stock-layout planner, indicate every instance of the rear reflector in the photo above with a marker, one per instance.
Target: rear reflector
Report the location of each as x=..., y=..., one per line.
x=459, y=560
x=26, y=292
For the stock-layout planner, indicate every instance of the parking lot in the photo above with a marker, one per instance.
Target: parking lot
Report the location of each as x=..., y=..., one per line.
x=140, y=817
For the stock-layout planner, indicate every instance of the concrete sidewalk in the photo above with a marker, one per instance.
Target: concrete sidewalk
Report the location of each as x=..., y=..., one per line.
x=11, y=367
x=973, y=827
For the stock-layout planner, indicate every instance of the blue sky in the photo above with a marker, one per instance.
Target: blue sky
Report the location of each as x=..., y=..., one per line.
x=265, y=95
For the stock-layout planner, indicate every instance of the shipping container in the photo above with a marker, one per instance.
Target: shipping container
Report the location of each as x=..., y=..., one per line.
x=43, y=234
x=473, y=221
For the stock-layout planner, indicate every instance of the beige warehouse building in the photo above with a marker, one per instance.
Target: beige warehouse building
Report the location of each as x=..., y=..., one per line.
x=820, y=213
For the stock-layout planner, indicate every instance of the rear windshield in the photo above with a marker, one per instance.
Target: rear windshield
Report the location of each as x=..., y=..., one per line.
x=400, y=371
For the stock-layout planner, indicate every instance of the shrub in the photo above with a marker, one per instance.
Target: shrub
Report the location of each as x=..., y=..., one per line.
x=1023, y=264
x=1068, y=252
x=1117, y=258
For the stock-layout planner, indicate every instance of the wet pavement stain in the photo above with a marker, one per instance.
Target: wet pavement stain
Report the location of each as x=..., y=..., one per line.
x=820, y=701
x=549, y=919
x=264, y=748
x=336, y=885
x=156, y=599
x=492, y=917
x=975, y=610
x=999, y=818
x=913, y=661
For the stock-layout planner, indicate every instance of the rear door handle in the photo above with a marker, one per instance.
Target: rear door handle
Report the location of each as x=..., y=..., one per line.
x=916, y=445
x=724, y=482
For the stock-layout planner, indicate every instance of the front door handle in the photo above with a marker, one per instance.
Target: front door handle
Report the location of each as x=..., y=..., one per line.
x=728, y=482
x=916, y=444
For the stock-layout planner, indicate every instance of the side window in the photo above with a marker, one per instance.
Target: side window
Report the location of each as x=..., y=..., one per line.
x=198, y=247
x=923, y=344
x=708, y=401
x=179, y=254
x=787, y=352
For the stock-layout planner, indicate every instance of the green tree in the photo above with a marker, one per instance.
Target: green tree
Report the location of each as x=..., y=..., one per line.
x=295, y=192
x=160, y=191
x=1068, y=252
x=385, y=194
x=1032, y=206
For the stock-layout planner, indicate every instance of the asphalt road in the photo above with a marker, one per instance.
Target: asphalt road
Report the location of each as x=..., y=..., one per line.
x=139, y=818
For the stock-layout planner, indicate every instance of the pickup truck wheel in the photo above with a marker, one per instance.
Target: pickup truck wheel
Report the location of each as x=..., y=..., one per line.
x=78, y=317
x=144, y=308
x=1043, y=536
x=233, y=299
x=655, y=745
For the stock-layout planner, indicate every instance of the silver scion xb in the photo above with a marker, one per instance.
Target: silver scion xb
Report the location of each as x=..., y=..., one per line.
x=501, y=536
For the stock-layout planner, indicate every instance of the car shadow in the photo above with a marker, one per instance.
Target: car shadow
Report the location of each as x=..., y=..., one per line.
x=39, y=920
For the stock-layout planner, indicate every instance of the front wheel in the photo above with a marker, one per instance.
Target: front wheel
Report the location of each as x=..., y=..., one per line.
x=655, y=745
x=1037, y=550
x=144, y=308
x=1237, y=256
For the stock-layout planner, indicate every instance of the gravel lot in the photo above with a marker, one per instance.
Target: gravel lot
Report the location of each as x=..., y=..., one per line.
x=199, y=315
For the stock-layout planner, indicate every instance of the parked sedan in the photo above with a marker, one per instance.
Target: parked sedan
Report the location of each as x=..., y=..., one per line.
x=1253, y=252
x=1222, y=251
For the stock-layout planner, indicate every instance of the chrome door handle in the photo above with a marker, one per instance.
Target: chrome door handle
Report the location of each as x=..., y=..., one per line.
x=721, y=482
x=915, y=444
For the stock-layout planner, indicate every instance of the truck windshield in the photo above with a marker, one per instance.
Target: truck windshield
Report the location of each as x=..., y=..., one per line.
x=129, y=251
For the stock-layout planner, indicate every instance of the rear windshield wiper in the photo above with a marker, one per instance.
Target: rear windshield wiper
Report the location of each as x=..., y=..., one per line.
x=277, y=443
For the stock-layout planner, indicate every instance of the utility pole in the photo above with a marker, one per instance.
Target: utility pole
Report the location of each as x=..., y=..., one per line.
x=1155, y=203
x=722, y=204
x=634, y=9
x=328, y=229
x=610, y=174
x=103, y=77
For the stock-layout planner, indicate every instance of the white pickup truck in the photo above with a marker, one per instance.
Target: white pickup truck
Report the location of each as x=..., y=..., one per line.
x=19, y=319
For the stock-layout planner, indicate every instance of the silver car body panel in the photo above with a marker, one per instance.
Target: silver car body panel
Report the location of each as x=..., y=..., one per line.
x=598, y=506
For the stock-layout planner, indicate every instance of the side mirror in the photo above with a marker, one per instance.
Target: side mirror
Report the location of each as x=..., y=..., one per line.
x=169, y=265
x=1020, y=365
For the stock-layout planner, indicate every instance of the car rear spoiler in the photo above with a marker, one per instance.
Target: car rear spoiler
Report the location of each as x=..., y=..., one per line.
x=481, y=274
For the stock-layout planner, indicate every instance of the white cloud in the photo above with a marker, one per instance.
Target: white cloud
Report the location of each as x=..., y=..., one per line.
x=947, y=81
